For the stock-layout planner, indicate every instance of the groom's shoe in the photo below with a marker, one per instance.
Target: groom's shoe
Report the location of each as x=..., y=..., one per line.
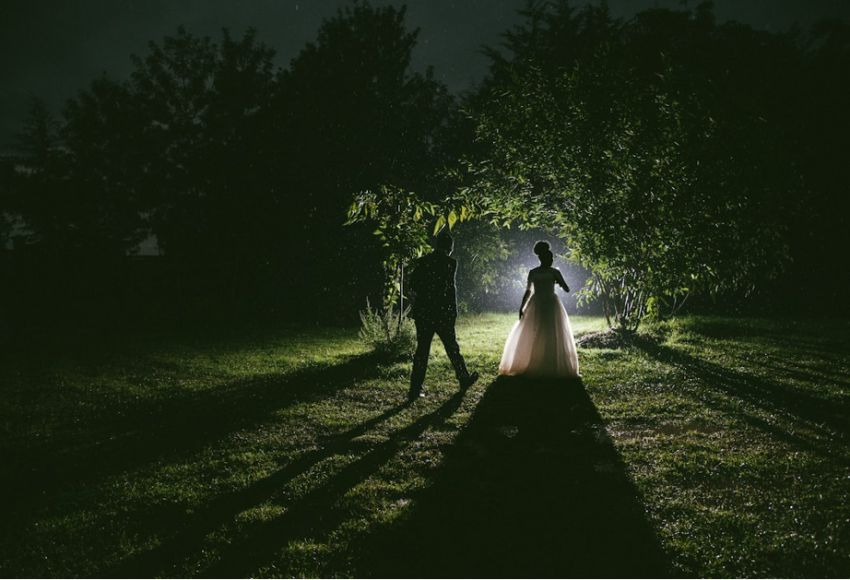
x=415, y=394
x=469, y=381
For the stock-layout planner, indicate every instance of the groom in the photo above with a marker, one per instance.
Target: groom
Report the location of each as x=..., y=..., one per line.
x=434, y=311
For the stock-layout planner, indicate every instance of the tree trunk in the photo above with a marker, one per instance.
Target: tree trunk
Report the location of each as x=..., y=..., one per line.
x=400, y=295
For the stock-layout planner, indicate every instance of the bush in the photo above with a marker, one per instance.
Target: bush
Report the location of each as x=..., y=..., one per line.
x=384, y=335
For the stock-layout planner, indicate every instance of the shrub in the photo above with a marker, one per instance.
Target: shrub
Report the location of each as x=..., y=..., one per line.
x=384, y=334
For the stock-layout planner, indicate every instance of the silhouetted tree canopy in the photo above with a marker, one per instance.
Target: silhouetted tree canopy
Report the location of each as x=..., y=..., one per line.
x=671, y=154
x=73, y=199
x=360, y=119
x=242, y=173
x=664, y=173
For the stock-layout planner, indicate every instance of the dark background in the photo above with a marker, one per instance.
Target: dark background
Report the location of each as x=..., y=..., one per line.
x=51, y=50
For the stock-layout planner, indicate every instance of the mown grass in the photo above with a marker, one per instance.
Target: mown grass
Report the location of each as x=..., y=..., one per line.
x=702, y=447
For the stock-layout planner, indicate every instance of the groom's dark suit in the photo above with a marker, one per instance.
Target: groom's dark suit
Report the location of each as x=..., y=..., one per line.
x=435, y=310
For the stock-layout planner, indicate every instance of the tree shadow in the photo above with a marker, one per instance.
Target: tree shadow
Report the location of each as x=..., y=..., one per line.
x=830, y=417
x=313, y=514
x=825, y=340
x=165, y=429
x=532, y=488
x=185, y=534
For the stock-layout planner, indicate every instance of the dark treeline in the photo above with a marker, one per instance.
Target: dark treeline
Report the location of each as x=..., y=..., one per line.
x=677, y=156
x=243, y=173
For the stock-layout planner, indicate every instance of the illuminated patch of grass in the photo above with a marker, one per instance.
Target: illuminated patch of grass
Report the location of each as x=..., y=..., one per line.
x=294, y=453
x=735, y=433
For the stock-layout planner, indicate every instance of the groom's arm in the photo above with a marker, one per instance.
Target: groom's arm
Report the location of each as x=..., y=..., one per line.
x=453, y=287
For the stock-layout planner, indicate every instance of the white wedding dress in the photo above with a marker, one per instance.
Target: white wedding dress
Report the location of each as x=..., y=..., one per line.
x=541, y=343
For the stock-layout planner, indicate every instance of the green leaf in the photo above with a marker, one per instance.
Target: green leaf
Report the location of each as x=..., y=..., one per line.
x=441, y=221
x=452, y=219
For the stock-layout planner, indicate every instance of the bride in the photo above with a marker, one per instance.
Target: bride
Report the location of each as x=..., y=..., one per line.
x=541, y=342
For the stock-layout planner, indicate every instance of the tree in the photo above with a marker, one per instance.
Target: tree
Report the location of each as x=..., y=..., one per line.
x=201, y=104
x=204, y=158
x=33, y=186
x=101, y=175
x=819, y=116
x=8, y=203
x=654, y=186
x=73, y=200
x=243, y=176
x=402, y=221
x=358, y=119
x=351, y=96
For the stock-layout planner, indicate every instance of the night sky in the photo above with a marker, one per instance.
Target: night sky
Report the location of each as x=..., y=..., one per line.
x=53, y=48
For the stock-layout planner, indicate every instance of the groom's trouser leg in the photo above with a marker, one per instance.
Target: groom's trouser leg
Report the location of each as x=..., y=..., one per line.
x=449, y=338
x=424, y=336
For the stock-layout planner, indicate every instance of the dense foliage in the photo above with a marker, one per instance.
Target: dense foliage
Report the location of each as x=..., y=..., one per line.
x=671, y=155
x=660, y=181
x=240, y=172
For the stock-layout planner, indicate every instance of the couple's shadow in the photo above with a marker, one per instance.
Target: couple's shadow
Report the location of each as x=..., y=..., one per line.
x=532, y=488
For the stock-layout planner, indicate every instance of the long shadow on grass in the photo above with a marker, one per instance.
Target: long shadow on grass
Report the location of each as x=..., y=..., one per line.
x=312, y=515
x=163, y=430
x=184, y=535
x=533, y=488
x=831, y=417
x=804, y=341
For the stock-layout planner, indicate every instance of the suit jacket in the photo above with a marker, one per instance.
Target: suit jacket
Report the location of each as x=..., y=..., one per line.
x=433, y=285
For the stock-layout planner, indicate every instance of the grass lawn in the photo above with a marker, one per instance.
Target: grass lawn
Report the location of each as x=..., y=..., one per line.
x=705, y=447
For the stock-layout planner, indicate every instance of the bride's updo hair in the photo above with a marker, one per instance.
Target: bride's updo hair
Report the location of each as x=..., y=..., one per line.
x=541, y=247
x=544, y=253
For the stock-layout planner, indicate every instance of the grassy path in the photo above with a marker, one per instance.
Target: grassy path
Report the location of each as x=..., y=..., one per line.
x=705, y=447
